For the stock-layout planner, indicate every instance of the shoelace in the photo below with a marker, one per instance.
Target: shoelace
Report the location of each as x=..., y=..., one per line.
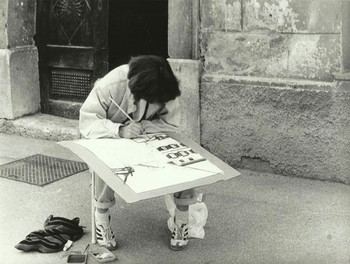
x=109, y=235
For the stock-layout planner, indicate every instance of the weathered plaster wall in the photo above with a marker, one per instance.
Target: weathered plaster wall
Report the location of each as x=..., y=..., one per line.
x=276, y=38
x=297, y=128
x=19, y=84
x=268, y=92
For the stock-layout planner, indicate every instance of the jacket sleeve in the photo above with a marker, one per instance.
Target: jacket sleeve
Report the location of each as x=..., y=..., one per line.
x=93, y=122
x=168, y=119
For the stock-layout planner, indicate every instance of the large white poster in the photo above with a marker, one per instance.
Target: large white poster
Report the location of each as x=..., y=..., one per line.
x=152, y=165
x=151, y=162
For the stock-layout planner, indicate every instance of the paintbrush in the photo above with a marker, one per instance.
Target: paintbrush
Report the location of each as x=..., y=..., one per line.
x=121, y=109
x=143, y=132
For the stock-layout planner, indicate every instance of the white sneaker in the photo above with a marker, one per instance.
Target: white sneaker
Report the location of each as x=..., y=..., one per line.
x=104, y=233
x=179, y=237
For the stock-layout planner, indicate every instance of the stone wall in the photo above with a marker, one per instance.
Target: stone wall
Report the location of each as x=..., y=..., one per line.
x=268, y=97
x=19, y=84
x=188, y=74
x=276, y=38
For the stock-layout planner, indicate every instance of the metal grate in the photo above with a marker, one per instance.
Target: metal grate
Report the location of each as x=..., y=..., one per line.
x=71, y=84
x=40, y=170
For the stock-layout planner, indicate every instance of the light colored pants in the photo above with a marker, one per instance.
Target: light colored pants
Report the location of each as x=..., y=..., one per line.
x=104, y=195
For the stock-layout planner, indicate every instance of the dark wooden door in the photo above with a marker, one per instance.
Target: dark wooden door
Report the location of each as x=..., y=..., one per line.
x=72, y=39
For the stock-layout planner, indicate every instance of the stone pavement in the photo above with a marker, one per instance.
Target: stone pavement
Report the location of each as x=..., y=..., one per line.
x=254, y=218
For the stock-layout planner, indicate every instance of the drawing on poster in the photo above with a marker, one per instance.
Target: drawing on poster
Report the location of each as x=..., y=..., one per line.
x=150, y=162
x=175, y=152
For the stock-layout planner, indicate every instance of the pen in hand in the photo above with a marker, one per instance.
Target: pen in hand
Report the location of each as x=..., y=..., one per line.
x=131, y=120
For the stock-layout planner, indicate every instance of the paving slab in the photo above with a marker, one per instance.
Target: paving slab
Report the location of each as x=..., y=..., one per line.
x=254, y=218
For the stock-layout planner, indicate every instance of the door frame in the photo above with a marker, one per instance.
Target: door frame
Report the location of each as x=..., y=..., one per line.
x=178, y=29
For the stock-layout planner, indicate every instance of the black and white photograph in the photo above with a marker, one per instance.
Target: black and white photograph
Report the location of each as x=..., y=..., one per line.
x=175, y=131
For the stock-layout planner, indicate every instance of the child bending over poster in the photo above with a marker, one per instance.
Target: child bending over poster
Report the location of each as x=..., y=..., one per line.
x=147, y=92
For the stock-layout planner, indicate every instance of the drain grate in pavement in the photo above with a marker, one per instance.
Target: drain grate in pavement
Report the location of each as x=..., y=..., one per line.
x=40, y=170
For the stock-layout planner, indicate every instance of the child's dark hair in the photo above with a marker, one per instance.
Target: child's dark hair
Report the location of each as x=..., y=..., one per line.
x=151, y=78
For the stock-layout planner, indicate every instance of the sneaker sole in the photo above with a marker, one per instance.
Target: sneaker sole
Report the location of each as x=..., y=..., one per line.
x=177, y=247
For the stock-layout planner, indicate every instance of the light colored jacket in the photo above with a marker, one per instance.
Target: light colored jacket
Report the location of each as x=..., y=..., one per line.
x=100, y=118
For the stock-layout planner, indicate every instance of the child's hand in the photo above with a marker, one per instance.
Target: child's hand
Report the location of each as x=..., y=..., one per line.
x=130, y=130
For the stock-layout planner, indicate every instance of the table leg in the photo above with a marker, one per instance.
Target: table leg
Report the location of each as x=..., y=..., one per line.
x=93, y=226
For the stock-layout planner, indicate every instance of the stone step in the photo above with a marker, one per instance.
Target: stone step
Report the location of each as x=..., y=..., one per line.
x=42, y=126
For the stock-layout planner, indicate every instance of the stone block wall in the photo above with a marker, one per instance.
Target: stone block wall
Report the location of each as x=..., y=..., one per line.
x=19, y=84
x=268, y=94
x=276, y=38
x=188, y=74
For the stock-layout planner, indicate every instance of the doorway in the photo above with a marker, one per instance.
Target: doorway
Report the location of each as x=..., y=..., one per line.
x=137, y=27
x=79, y=41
